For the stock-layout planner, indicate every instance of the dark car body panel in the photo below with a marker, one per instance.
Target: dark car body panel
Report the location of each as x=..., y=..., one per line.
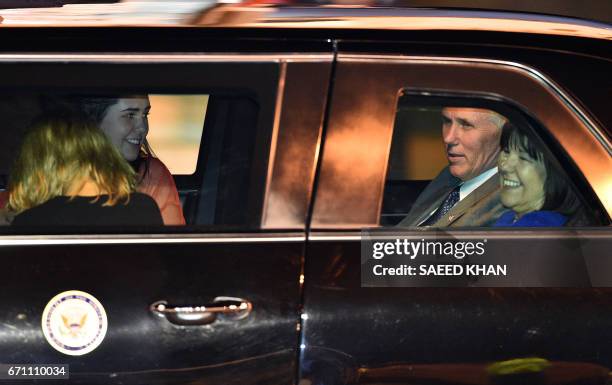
x=142, y=347
x=351, y=334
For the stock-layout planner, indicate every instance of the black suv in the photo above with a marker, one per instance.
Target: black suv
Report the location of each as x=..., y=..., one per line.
x=288, y=131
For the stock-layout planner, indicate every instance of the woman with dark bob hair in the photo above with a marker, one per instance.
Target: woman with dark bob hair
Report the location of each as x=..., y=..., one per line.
x=531, y=187
x=68, y=173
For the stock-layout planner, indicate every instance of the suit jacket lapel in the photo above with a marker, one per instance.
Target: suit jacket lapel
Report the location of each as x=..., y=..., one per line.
x=460, y=208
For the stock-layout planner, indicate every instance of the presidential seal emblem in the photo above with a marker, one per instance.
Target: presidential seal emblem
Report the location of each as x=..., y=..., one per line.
x=74, y=322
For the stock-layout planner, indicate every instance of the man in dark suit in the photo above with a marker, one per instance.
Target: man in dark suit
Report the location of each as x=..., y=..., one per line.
x=466, y=192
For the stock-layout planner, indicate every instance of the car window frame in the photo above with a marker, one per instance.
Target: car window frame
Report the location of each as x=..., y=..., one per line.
x=350, y=189
x=267, y=151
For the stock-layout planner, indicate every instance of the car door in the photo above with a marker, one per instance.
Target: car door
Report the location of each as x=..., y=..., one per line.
x=424, y=332
x=215, y=301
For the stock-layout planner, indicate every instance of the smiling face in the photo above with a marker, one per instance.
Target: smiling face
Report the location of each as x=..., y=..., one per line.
x=126, y=125
x=522, y=180
x=471, y=136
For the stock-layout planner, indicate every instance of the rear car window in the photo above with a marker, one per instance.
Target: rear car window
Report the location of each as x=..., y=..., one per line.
x=208, y=135
x=197, y=164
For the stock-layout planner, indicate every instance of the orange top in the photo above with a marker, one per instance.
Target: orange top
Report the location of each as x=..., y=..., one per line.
x=159, y=185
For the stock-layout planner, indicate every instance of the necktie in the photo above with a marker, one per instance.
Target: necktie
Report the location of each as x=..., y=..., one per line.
x=445, y=207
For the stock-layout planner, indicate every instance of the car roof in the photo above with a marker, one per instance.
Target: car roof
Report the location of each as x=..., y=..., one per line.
x=263, y=15
x=386, y=18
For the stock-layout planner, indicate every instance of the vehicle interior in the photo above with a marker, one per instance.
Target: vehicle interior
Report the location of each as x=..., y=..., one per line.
x=222, y=189
x=417, y=137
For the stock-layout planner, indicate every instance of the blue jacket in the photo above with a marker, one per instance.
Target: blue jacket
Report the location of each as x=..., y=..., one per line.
x=532, y=219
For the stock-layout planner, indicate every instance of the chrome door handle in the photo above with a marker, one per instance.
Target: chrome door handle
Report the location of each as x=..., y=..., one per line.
x=227, y=308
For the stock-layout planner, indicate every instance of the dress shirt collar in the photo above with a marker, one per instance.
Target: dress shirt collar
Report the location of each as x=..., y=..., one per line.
x=468, y=186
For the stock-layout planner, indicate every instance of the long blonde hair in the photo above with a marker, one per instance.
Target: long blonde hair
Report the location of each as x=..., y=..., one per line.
x=61, y=151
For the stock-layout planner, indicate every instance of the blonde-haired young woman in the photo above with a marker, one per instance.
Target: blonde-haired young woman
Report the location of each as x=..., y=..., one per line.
x=68, y=173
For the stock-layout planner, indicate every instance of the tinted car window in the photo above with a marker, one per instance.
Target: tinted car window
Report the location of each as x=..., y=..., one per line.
x=434, y=135
x=221, y=111
x=214, y=170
